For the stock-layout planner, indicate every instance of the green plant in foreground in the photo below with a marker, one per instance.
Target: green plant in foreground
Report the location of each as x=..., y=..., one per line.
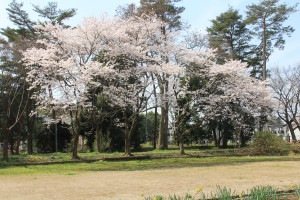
x=221, y=193
x=263, y=193
x=224, y=193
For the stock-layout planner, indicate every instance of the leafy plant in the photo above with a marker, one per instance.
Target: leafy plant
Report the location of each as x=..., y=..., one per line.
x=263, y=193
x=295, y=147
x=266, y=143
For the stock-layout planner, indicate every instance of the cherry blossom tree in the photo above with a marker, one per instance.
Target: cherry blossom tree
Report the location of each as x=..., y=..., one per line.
x=214, y=90
x=61, y=67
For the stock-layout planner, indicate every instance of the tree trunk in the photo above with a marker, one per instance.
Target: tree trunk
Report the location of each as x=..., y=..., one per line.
x=243, y=139
x=155, y=128
x=216, y=140
x=181, y=146
x=161, y=129
x=12, y=152
x=292, y=131
x=31, y=125
x=98, y=140
x=29, y=143
x=18, y=142
x=5, y=144
x=225, y=141
x=166, y=127
x=75, y=146
x=127, y=145
x=264, y=52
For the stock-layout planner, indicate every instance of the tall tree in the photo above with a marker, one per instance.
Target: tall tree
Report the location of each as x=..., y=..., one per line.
x=169, y=13
x=267, y=18
x=23, y=37
x=229, y=35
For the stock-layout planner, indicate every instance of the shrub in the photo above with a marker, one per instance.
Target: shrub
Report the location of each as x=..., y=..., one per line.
x=266, y=143
x=295, y=147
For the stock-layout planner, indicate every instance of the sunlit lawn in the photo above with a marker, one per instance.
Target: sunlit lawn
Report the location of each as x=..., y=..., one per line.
x=75, y=168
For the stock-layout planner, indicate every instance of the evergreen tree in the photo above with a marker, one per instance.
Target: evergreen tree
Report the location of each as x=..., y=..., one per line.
x=267, y=18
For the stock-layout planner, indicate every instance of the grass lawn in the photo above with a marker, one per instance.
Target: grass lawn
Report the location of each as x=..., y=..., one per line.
x=75, y=168
x=192, y=151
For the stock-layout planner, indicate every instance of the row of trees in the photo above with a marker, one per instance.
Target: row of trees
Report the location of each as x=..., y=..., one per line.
x=104, y=73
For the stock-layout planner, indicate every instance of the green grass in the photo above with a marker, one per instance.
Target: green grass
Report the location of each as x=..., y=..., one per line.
x=76, y=168
x=146, y=151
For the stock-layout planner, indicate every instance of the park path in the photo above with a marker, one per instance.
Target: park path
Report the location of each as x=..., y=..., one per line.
x=130, y=184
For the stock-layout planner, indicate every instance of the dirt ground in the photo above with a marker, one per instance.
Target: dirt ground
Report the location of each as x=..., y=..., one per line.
x=130, y=184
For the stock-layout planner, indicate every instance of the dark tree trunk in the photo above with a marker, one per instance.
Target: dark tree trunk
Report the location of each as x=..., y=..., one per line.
x=29, y=143
x=216, y=140
x=18, y=142
x=75, y=146
x=75, y=134
x=181, y=145
x=166, y=127
x=5, y=145
x=243, y=139
x=264, y=52
x=225, y=141
x=98, y=140
x=12, y=143
x=155, y=128
x=161, y=129
x=127, y=145
x=292, y=131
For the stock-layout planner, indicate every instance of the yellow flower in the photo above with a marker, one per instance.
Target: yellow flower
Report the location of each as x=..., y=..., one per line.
x=199, y=189
x=292, y=186
x=142, y=195
x=155, y=198
x=240, y=196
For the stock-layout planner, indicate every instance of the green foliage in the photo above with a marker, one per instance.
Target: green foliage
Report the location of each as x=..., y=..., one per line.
x=295, y=147
x=220, y=193
x=45, y=138
x=263, y=193
x=230, y=36
x=165, y=10
x=266, y=143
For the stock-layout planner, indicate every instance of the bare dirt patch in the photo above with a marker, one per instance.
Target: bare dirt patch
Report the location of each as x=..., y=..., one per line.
x=130, y=184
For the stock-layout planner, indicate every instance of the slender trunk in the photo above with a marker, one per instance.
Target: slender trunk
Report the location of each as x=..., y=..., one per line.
x=18, y=142
x=5, y=144
x=161, y=129
x=98, y=140
x=29, y=143
x=31, y=124
x=155, y=128
x=264, y=53
x=155, y=113
x=166, y=127
x=12, y=152
x=225, y=141
x=55, y=129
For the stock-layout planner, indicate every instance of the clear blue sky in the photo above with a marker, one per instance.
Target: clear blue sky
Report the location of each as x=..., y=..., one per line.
x=198, y=13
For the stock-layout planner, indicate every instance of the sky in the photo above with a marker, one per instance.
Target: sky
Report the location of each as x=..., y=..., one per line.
x=198, y=14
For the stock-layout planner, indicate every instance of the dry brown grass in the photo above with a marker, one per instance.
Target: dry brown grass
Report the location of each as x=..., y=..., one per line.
x=130, y=184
